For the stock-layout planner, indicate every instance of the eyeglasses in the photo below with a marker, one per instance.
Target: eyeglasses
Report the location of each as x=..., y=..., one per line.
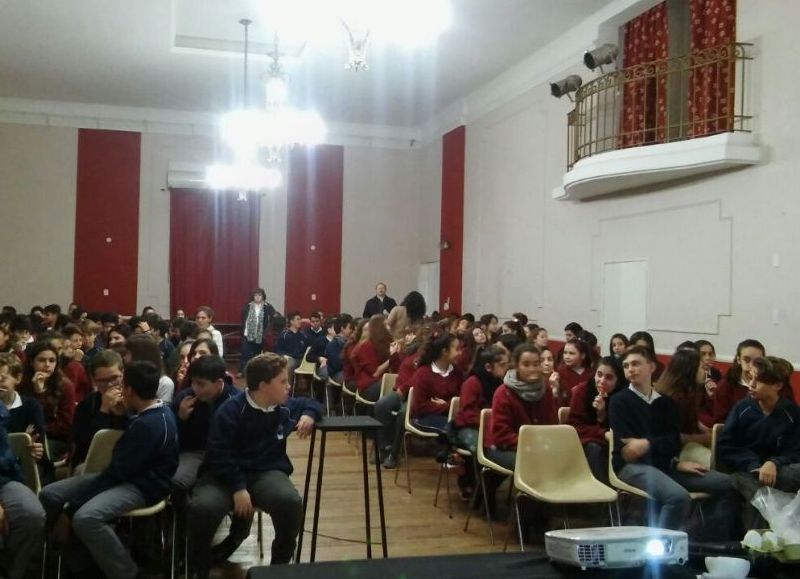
x=112, y=381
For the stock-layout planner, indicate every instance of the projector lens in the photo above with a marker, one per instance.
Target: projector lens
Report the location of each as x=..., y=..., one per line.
x=656, y=547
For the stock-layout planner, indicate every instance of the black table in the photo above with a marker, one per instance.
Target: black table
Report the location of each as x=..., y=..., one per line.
x=361, y=424
x=484, y=566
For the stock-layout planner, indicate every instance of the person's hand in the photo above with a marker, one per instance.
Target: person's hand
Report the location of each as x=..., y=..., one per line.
x=304, y=426
x=690, y=467
x=768, y=474
x=39, y=381
x=36, y=447
x=62, y=529
x=703, y=428
x=180, y=375
x=711, y=387
x=3, y=523
x=634, y=448
x=77, y=355
x=555, y=383
x=440, y=402
x=323, y=361
x=186, y=407
x=110, y=399
x=242, y=505
x=599, y=404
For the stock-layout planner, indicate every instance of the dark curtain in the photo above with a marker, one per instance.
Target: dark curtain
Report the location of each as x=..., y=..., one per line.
x=644, y=97
x=712, y=86
x=213, y=252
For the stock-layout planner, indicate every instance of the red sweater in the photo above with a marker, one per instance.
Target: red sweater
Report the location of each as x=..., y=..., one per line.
x=471, y=403
x=589, y=430
x=725, y=397
x=428, y=385
x=76, y=373
x=568, y=379
x=58, y=417
x=405, y=374
x=510, y=412
x=348, y=371
x=365, y=362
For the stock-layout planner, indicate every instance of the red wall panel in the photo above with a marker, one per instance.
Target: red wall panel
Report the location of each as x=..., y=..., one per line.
x=107, y=220
x=452, y=220
x=314, y=229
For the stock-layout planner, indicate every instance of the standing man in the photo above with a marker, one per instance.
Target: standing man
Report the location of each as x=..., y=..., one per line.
x=256, y=318
x=380, y=304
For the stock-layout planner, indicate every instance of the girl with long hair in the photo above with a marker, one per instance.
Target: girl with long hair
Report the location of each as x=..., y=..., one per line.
x=372, y=357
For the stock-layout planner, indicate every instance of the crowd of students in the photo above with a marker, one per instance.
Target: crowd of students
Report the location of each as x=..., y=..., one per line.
x=216, y=448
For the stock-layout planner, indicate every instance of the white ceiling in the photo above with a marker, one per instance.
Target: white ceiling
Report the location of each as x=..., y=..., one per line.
x=121, y=52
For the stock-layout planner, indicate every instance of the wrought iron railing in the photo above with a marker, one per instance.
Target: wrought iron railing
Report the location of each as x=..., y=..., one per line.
x=699, y=94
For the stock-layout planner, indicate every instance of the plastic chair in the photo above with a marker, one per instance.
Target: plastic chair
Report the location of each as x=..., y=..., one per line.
x=716, y=430
x=306, y=369
x=333, y=384
x=20, y=443
x=563, y=415
x=411, y=430
x=463, y=452
x=486, y=466
x=387, y=383
x=567, y=478
x=696, y=452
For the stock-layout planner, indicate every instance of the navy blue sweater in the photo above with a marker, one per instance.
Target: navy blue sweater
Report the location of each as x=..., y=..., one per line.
x=631, y=417
x=750, y=438
x=9, y=467
x=244, y=439
x=193, y=432
x=317, y=340
x=146, y=456
x=333, y=352
x=29, y=414
x=88, y=421
x=291, y=344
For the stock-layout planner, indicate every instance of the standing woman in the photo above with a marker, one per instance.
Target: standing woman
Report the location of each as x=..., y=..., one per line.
x=43, y=380
x=256, y=318
x=408, y=316
x=588, y=412
x=372, y=357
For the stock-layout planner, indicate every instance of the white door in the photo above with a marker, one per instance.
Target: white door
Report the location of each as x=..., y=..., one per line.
x=624, y=299
x=428, y=284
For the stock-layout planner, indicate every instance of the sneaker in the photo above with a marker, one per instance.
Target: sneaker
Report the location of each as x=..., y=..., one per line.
x=390, y=462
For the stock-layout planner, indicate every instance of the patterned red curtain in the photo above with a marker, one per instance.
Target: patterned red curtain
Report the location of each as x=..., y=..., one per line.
x=712, y=86
x=644, y=98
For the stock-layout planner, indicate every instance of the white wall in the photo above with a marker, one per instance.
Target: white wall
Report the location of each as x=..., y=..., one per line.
x=709, y=242
x=38, y=178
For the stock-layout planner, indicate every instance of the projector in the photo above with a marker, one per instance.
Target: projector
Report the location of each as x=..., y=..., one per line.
x=617, y=547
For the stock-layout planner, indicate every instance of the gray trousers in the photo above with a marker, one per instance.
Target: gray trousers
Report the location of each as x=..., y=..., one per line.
x=189, y=464
x=271, y=491
x=26, y=522
x=92, y=522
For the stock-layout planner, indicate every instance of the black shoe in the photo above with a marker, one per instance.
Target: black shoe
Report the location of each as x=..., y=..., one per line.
x=223, y=551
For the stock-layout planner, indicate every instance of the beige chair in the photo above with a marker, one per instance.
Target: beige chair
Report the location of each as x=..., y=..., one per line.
x=20, y=443
x=463, y=452
x=486, y=466
x=567, y=479
x=387, y=383
x=716, y=431
x=411, y=430
x=696, y=452
x=624, y=487
x=563, y=415
x=307, y=370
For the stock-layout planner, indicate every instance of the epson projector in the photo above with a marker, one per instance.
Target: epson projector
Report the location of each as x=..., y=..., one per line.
x=617, y=547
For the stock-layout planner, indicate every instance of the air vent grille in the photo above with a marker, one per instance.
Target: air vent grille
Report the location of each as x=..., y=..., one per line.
x=591, y=555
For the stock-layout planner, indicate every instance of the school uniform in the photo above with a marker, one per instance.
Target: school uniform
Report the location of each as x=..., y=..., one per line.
x=467, y=420
x=365, y=362
x=390, y=410
x=89, y=420
x=433, y=382
x=591, y=433
x=76, y=373
x=567, y=380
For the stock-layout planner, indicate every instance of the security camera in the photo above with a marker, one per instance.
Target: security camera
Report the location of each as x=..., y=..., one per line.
x=566, y=86
x=605, y=54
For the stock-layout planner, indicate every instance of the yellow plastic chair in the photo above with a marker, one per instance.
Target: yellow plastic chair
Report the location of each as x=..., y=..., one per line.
x=387, y=383
x=411, y=430
x=563, y=415
x=486, y=466
x=567, y=478
x=716, y=431
x=443, y=469
x=20, y=443
x=306, y=369
x=696, y=452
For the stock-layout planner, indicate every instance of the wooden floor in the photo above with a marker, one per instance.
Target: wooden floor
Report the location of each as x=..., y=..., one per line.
x=414, y=526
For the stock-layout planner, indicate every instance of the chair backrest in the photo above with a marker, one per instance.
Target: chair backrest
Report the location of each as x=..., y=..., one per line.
x=716, y=431
x=615, y=481
x=387, y=383
x=483, y=423
x=20, y=443
x=305, y=366
x=696, y=452
x=409, y=402
x=100, y=450
x=558, y=447
x=455, y=404
x=563, y=414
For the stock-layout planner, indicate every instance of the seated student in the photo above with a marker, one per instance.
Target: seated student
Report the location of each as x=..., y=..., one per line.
x=436, y=381
x=571, y=332
x=21, y=515
x=477, y=393
x=142, y=464
x=576, y=367
x=374, y=356
x=194, y=407
x=246, y=465
x=683, y=380
x=736, y=384
x=647, y=444
x=642, y=338
x=761, y=438
x=316, y=337
x=338, y=330
x=42, y=379
x=588, y=412
x=144, y=347
x=514, y=327
x=548, y=363
x=90, y=345
x=204, y=319
x=292, y=343
x=71, y=364
x=490, y=326
x=103, y=409
x=21, y=330
x=118, y=335
x=523, y=398
x=617, y=345
x=708, y=355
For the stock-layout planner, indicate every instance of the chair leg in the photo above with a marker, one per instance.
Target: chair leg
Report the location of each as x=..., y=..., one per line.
x=519, y=523
x=475, y=491
x=438, y=485
x=486, y=505
x=172, y=556
x=514, y=513
x=44, y=558
x=610, y=514
x=260, y=536
x=700, y=512
x=327, y=400
x=447, y=484
x=408, y=462
x=565, y=519
x=619, y=514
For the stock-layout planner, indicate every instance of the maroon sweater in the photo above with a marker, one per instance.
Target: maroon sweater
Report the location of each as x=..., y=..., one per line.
x=471, y=403
x=365, y=362
x=429, y=385
x=405, y=374
x=76, y=373
x=568, y=379
x=589, y=430
x=510, y=412
x=58, y=417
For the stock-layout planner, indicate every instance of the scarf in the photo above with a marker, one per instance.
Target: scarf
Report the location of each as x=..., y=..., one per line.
x=254, y=326
x=528, y=391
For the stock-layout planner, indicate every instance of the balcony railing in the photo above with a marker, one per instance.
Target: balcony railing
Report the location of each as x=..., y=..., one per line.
x=700, y=94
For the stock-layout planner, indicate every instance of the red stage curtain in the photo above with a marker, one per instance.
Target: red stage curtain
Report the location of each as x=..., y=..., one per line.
x=644, y=100
x=711, y=87
x=213, y=252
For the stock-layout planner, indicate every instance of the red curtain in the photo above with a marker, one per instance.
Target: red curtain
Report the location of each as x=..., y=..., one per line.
x=644, y=100
x=712, y=86
x=213, y=252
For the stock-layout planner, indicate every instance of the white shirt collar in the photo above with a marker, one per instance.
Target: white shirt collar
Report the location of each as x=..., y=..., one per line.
x=443, y=373
x=253, y=403
x=653, y=394
x=17, y=402
x=157, y=404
